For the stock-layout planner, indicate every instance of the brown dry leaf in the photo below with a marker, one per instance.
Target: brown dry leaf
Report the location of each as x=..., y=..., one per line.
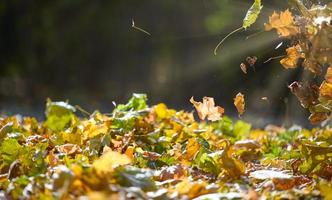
x=69, y=149
x=243, y=68
x=293, y=54
x=239, y=103
x=248, y=144
x=306, y=94
x=172, y=172
x=283, y=23
x=312, y=65
x=316, y=118
x=208, y=109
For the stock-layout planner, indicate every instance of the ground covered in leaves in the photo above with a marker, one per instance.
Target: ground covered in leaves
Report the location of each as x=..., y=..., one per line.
x=142, y=152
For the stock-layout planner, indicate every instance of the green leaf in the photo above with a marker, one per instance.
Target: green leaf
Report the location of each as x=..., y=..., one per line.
x=58, y=115
x=134, y=177
x=137, y=102
x=252, y=14
x=9, y=151
x=241, y=129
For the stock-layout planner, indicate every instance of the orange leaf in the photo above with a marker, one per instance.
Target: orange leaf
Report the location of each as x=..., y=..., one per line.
x=293, y=54
x=239, y=103
x=283, y=23
x=207, y=109
x=325, y=90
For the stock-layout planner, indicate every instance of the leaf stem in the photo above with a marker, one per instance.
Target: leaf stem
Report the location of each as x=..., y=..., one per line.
x=229, y=34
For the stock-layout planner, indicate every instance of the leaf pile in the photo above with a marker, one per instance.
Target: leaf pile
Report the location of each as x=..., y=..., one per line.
x=142, y=152
x=310, y=35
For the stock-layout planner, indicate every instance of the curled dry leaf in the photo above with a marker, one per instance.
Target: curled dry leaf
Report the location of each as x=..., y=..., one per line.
x=316, y=118
x=248, y=144
x=69, y=149
x=239, y=103
x=207, y=109
x=243, y=68
x=293, y=55
x=283, y=23
x=306, y=94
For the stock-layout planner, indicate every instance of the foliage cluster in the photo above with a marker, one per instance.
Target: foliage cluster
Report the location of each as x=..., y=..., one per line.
x=155, y=152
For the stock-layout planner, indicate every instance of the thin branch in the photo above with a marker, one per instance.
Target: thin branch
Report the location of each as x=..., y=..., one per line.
x=229, y=34
x=273, y=58
x=254, y=34
x=82, y=110
x=138, y=28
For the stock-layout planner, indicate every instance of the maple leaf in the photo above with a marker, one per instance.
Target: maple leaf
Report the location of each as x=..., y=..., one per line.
x=293, y=54
x=207, y=109
x=283, y=23
x=239, y=103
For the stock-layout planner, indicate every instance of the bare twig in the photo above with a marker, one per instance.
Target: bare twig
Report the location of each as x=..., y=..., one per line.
x=273, y=58
x=229, y=34
x=138, y=28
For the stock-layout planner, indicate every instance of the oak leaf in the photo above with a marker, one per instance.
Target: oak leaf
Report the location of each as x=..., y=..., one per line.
x=283, y=23
x=207, y=109
x=239, y=103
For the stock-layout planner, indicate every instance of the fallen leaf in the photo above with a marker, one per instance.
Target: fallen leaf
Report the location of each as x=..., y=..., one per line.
x=248, y=144
x=207, y=109
x=239, y=103
x=69, y=149
x=283, y=23
x=293, y=54
x=108, y=161
x=269, y=174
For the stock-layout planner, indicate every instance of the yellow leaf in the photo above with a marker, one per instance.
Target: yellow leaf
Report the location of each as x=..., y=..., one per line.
x=283, y=23
x=239, y=103
x=108, y=161
x=325, y=90
x=161, y=110
x=192, y=148
x=208, y=109
x=293, y=54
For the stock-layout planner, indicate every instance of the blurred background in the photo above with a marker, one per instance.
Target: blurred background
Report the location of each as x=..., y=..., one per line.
x=87, y=52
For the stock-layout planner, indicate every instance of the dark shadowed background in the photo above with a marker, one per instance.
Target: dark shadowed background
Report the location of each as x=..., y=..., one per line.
x=87, y=52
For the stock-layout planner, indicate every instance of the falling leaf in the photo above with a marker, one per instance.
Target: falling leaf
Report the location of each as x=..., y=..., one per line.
x=252, y=14
x=251, y=60
x=316, y=118
x=239, y=103
x=243, y=68
x=293, y=54
x=207, y=109
x=325, y=90
x=307, y=94
x=283, y=23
